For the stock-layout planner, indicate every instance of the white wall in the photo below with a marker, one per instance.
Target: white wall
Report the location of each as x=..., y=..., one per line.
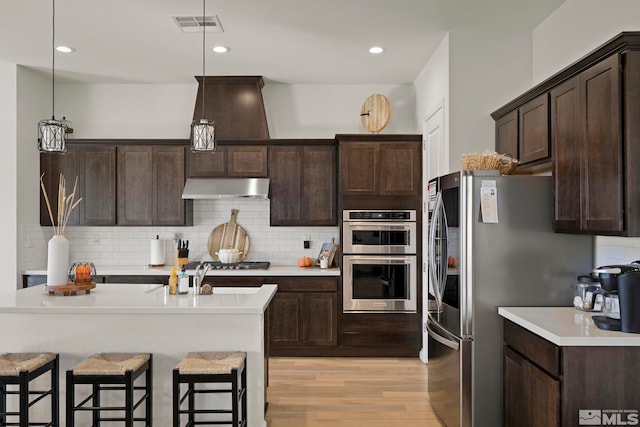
x=8, y=174
x=573, y=30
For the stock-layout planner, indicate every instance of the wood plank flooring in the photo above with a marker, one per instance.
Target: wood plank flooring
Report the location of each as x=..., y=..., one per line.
x=348, y=392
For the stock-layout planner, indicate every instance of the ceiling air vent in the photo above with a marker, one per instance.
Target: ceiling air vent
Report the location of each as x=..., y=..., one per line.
x=193, y=24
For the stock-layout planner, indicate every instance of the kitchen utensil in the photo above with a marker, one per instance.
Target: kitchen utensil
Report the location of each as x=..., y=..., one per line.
x=229, y=235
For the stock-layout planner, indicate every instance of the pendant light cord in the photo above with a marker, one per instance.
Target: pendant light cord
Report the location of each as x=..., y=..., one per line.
x=53, y=62
x=203, y=55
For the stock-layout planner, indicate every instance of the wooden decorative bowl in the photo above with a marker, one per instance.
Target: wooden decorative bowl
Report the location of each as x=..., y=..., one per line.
x=71, y=288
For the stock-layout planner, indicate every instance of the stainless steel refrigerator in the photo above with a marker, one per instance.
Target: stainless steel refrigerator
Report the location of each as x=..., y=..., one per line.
x=491, y=244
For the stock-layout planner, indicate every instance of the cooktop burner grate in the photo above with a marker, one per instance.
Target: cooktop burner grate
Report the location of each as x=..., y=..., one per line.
x=243, y=265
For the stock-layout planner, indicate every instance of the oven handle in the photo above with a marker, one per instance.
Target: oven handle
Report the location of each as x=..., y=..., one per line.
x=379, y=226
x=391, y=259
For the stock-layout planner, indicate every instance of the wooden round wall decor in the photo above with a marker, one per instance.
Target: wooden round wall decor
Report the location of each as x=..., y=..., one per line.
x=375, y=112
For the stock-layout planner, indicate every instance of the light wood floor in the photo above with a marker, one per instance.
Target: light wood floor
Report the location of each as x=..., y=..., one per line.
x=348, y=392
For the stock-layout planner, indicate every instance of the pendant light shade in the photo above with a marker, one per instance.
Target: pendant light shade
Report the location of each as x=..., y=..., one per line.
x=52, y=133
x=203, y=131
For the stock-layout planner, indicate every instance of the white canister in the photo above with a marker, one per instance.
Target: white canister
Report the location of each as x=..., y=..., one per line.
x=58, y=261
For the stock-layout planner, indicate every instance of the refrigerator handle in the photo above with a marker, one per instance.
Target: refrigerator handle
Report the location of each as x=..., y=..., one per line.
x=455, y=345
x=433, y=275
x=444, y=250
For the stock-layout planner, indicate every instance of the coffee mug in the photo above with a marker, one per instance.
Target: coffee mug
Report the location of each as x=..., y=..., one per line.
x=324, y=263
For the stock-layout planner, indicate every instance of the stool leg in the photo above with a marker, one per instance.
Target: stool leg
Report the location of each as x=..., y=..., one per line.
x=95, y=402
x=55, y=399
x=24, y=399
x=149, y=390
x=234, y=397
x=3, y=405
x=70, y=400
x=176, y=399
x=191, y=387
x=128, y=401
x=244, y=394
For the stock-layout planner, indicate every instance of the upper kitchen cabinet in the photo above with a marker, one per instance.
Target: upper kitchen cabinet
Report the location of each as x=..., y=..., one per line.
x=150, y=183
x=372, y=166
x=94, y=166
x=246, y=161
x=303, y=182
x=524, y=132
x=593, y=131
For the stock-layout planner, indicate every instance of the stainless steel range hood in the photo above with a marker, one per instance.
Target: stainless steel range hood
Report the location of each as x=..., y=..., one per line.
x=226, y=188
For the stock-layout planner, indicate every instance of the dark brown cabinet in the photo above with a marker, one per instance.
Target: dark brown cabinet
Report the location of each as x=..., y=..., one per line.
x=95, y=168
x=303, y=184
x=588, y=158
x=380, y=168
x=524, y=132
x=547, y=385
x=592, y=105
x=303, y=313
x=150, y=183
x=249, y=161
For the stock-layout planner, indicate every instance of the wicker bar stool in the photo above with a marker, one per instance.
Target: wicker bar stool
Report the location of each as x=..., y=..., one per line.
x=20, y=369
x=109, y=372
x=208, y=368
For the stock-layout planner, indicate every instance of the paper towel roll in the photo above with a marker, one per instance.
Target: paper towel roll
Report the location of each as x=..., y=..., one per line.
x=156, y=257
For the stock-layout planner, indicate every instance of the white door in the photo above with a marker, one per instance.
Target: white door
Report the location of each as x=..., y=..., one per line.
x=435, y=163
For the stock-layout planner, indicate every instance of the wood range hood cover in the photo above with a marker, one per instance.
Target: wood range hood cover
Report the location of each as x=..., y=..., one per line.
x=235, y=104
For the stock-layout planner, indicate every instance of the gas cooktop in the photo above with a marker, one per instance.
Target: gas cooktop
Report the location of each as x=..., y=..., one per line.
x=242, y=265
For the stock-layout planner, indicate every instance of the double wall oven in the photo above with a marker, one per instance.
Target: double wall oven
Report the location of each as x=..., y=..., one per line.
x=379, y=261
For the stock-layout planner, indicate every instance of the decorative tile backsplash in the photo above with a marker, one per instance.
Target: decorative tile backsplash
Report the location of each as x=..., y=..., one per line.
x=616, y=250
x=129, y=246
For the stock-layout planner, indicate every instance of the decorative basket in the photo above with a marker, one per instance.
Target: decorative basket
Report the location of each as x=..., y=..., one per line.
x=504, y=163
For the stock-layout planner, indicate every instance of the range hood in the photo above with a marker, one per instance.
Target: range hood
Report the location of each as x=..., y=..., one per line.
x=226, y=188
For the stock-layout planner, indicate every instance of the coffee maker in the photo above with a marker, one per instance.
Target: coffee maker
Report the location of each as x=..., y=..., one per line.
x=622, y=297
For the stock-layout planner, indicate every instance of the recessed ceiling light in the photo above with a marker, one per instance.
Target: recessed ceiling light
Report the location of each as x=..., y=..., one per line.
x=376, y=49
x=220, y=49
x=65, y=49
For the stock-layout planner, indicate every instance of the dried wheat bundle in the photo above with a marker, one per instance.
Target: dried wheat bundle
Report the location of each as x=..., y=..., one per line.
x=66, y=204
x=493, y=161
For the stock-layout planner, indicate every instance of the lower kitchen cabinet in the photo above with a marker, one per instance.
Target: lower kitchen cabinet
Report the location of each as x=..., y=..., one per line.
x=380, y=334
x=548, y=385
x=303, y=315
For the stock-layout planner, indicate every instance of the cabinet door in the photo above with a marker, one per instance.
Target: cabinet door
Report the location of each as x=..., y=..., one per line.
x=97, y=185
x=400, y=170
x=51, y=166
x=168, y=170
x=247, y=161
x=566, y=143
x=359, y=168
x=602, y=177
x=319, y=186
x=135, y=184
x=533, y=130
x=532, y=397
x=507, y=134
x=285, y=326
x=286, y=167
x=207, y=165
x=320, y=316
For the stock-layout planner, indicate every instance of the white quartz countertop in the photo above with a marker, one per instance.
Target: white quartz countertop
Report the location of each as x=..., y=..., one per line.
x=119, y=298
x=137, y=270
x=566, y=326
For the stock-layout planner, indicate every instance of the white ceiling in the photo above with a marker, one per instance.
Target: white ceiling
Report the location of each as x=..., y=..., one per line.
x=289, y=41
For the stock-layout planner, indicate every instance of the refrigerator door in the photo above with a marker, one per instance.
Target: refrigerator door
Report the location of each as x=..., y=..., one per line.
x=449, y=381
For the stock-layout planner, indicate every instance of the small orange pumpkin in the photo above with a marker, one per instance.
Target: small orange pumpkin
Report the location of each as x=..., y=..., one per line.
x=305, y=262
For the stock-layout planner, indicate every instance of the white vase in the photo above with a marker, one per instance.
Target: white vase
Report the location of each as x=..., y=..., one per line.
x=58, y=261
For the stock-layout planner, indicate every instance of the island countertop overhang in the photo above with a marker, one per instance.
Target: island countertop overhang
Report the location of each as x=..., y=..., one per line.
x=122, y=298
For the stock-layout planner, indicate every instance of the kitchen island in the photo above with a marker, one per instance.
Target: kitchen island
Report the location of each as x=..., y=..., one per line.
x=561, y=370
x=142, y=318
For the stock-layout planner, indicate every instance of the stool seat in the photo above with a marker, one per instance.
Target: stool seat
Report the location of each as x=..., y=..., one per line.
x=111, y=363
x=211, y=363
x=11, y=364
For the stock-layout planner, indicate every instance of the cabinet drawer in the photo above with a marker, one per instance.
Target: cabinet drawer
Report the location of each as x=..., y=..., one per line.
x=305, y=284
x=540, y=351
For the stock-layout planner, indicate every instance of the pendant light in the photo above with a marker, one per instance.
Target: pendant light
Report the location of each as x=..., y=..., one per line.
x=52, y=132
x=203, y=130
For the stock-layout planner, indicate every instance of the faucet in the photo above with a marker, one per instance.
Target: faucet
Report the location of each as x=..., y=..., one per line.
x=201, y=271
